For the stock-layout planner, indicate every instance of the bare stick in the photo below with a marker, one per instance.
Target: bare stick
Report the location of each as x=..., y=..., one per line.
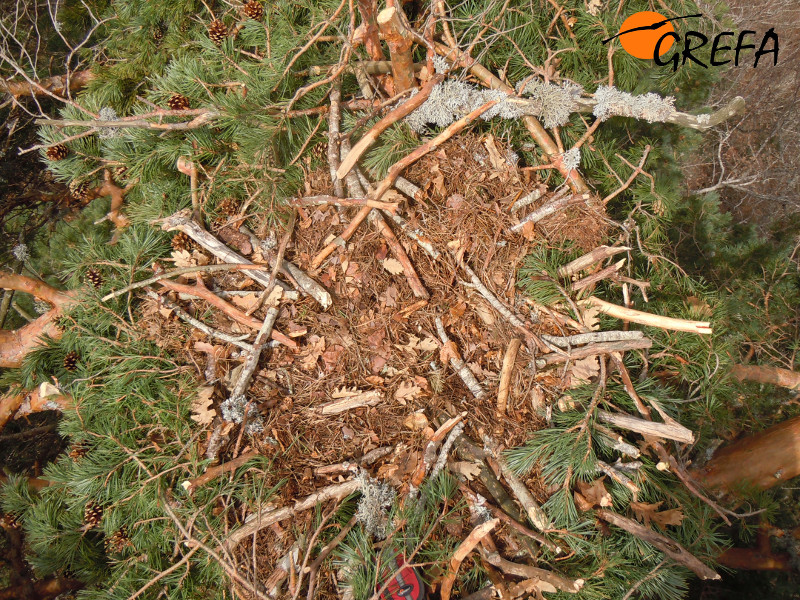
x=228, y=309
x=322, y=200
x=594, y=350
x=636, y=172
x=572, y=586
x=593, y=337
x=181, y=271
x=514, y=524
x=382, y=125
x=587, y=260
x=324, y=553
x=400, y=254
x=368, y=398
x=504, y=389
x=201, y=120
x=400, y=41
x=334, y=118
x=182, y=222
x=669, y=431
x=267, y=517
x=535, y=513
x=181, y=314
x=550, y=208
x=589, y=280
x=212, y=473
x=302, y=280
x=491, y=298
x=463, y=550
x=643, y=318
x=415, y=235
x=668, y=546
x=458, y=365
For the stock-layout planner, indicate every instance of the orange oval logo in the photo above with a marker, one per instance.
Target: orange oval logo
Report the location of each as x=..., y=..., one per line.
x=641, y=42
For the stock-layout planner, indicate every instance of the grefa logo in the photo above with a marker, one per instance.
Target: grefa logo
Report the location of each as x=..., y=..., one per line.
x=649, y=35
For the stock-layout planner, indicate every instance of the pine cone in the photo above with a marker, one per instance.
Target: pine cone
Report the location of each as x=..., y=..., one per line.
x=92, y=515
x=228, y=207
x=79, y=189
x=319, y=151
x=118, y=541
x=119, y=173
x=57, y=152
x=78, y=451
x=94, y=277
x=181, y=241
x=178, y=102
x=9, y=521
x=217, y=31
x=158, y=32
x=71, y=361
x=254, y=9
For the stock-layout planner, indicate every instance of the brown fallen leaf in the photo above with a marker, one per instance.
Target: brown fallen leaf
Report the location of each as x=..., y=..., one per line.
x=311, y=352
x=644, y=511
x=202, y=412
x=416, y=421
x=407, y=390
x=581, y=371
x=394, y=266
x=595, y=493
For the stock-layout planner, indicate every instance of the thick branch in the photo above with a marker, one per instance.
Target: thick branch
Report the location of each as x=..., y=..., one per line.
x=669, y=547
x=766, y=374
x=55, y=85
x=400, y=41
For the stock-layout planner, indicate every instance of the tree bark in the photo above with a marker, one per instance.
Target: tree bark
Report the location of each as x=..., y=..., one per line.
x=14, y=345
x=765, y=374
x=56, y=85
x=763, y=460
x=400, y=41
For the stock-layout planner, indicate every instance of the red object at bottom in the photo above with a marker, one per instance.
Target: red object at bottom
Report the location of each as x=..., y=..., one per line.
x=405, y=585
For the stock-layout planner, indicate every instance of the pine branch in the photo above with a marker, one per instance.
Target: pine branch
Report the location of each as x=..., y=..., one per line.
x=666, y=545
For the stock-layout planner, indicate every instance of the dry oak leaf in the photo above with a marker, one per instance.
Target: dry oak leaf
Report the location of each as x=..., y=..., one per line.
x=595, y=493
x=247, y=301
x=468, y=469
x=311, y=352
x=407, y=390
x=415, y=344
x=589, y=316
x=649, y=512
x=202, y=412
x=583, y=370
x=394, y=266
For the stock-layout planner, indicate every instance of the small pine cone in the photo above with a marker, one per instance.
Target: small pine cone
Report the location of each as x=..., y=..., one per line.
x=9, y=521
x=92, y=515
x=78, y=451
x=178, y=102
x=254, y=9
x=71, y=361
x=181, y=241
x=228, y=207
x=158, y=33
x=57, y=152
x=217, y=31
x=94, y=277
x=319, y=151
x=79, y=189
x=120, y=173
x=118, y=541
